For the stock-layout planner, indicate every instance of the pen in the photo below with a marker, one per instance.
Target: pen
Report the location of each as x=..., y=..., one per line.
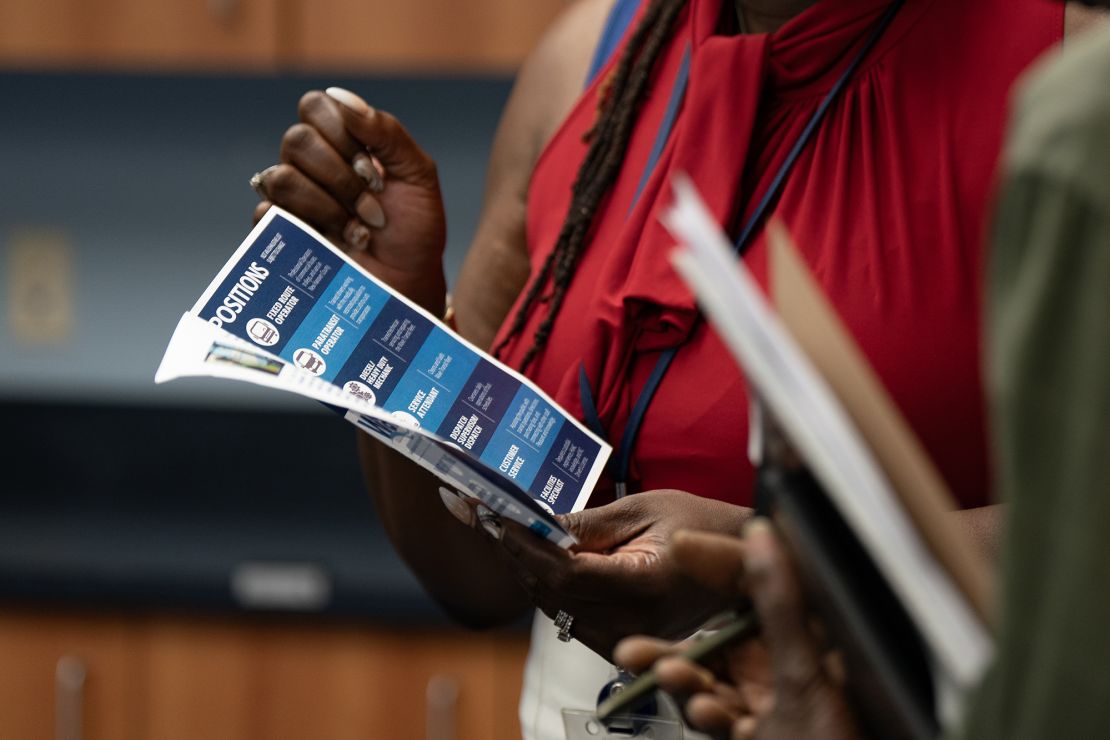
x=742, y=625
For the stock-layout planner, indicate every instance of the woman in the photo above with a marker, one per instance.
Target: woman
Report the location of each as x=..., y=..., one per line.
x=568, y=278
x=1050, y=402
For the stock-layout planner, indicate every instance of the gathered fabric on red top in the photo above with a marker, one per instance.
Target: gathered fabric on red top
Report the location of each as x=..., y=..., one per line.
x=888, y=204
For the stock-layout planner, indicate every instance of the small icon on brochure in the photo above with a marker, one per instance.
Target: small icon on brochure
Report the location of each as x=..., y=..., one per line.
x=307, y=359
x=406, y=419
x=360, y=390
x=263, y=332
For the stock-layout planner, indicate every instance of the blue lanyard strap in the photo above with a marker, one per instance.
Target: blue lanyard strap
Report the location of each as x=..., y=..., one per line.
x=742, y=242
x=621, y=463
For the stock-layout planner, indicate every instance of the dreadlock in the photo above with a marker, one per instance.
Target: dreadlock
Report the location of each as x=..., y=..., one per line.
x=620, y=100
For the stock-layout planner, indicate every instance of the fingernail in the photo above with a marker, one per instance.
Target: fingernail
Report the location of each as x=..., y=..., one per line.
x=458, y=508
x=356, y=236
x=491, y=523
x=745, y=727
x=258, y=185
x=258, y=181
x=365, y=168
x=757, y=526
x=758, y=538
x=370, y=211
x=349, y=99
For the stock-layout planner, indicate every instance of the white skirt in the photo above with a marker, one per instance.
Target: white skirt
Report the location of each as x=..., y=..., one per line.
x=564, y=675
x=558, y=676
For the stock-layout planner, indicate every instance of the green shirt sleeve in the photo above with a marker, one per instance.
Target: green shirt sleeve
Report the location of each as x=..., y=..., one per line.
x=1049, y=375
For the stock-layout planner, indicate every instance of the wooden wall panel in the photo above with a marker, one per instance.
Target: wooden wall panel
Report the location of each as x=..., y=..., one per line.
x=31, y=645
x=429, y=35
x=200, y=680
x=139, y=34
x=352, y=684
x=307, y=35
x=175, y=678
x=510, y=656
x=320, y=684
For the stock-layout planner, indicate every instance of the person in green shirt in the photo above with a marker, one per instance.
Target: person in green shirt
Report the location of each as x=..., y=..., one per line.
x=1049, y=379
x=1049, y=375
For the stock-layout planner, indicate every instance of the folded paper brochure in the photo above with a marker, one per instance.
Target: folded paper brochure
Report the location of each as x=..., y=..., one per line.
x=290, y=311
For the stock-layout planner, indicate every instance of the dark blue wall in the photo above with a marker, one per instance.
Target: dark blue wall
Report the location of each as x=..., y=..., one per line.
x=148, y=177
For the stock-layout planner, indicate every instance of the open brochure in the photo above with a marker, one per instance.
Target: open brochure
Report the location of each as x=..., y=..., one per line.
x=834, y=414
x=290, y=311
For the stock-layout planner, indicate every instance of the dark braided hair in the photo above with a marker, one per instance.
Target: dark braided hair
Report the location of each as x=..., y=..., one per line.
x=621, y=97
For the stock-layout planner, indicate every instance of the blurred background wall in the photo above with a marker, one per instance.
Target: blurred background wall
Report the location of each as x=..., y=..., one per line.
x=200, y=560
x=123, y=195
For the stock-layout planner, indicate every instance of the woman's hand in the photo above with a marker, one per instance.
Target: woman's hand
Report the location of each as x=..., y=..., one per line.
x=778, y=690
x=357, y=175
x=621, y=578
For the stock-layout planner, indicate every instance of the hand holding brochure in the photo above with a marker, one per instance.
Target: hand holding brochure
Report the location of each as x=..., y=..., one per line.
x=291, y=311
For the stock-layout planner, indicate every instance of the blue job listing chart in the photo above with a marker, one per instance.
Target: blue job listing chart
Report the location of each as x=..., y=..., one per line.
x=289, y=291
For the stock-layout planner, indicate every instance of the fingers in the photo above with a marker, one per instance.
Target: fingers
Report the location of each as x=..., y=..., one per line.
x=713, y=706
x=458, y=506
x=608, y=526
x=552, y=574
x=288, y=187
x=309, y=150
x=383, y=135
x=304, y=147
x=530, y=557
x=715, y=561
x=553, y=577
x=712, y=714
x=773, y=586
x=357, y=236
x=530, y=551
x=744, y=728
x=638, y=653
x=682, y=677
x=553, y=580
x=589, y=528
x=324, y=114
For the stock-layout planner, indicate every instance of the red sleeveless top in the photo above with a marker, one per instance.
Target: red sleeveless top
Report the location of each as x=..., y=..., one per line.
x=888, y=204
